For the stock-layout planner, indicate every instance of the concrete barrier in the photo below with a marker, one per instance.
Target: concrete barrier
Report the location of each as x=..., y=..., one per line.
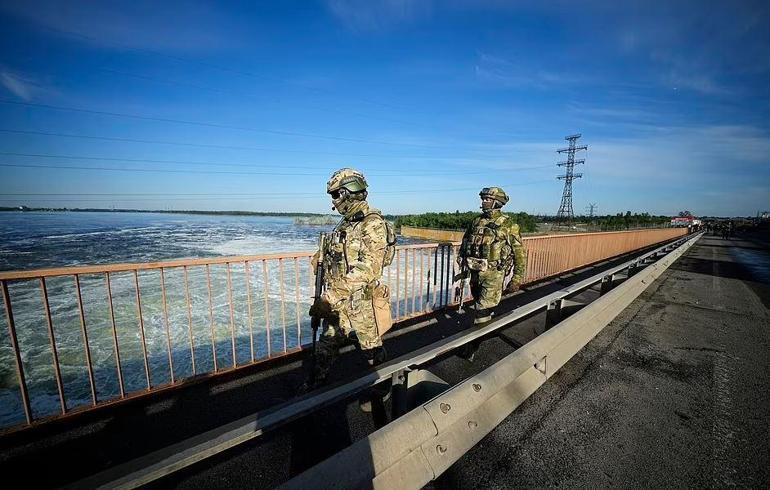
x=417, y=448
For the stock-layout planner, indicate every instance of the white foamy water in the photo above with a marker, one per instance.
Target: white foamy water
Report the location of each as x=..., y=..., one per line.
x=209, y=331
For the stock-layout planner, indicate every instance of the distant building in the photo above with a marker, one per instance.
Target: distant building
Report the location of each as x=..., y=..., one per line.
x=683, y=221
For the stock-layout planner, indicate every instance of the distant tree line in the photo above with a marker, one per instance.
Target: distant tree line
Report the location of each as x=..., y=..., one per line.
x=445, y=221
x=459, y=221
x=625, y=221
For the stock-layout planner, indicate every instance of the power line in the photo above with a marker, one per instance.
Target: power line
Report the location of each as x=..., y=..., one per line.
x=179, y=143
x=214, y=164
x=112, y=194
x=214, y=146
x=154, y=170
x=213, y=125
x=207, y=196
x=214, y=66
x=252, y=96
x=149, y=160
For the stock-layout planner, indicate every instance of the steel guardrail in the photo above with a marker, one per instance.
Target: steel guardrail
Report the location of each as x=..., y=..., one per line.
x=418, y=447
x=159, y=463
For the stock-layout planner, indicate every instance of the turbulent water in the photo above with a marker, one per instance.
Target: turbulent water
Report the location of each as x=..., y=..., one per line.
x=35, y=240
x=209, y=331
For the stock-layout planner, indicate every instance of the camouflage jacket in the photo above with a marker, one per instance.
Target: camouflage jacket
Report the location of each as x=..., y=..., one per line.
x=354, y=255
x=495, y=238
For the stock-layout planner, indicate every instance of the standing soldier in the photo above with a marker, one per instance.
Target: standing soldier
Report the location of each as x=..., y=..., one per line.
x=491, y=247
x=353, y=302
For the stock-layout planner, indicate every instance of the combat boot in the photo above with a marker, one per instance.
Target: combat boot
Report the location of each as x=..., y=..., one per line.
x=482, y=316
x=375, y=357
x=310, y=383
x=379, y=393
x=317, y=373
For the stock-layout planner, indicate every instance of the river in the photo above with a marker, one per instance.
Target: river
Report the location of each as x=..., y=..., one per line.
x=32, y=240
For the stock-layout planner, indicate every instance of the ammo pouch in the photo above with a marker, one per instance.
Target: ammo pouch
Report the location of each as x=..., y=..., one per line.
x=381, y=307
x=495, y=249
x=475, y=264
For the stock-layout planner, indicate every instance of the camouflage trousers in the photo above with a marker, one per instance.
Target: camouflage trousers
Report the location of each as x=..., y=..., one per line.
x=487, y=288
x=357, y=319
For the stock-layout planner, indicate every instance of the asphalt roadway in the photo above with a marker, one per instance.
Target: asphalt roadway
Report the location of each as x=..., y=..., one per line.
x=91, y=442
x=674, y=393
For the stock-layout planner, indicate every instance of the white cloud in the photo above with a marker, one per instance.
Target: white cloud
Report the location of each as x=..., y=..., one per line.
x=687, y=47
x=703, y=156
x=510, y=73
x=24, y=88
x=377, y=15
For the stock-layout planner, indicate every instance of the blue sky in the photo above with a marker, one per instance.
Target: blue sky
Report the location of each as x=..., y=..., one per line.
x=251, y=105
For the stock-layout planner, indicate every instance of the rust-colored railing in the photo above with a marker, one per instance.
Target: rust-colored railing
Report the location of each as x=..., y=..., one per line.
x=87, y=336
x=548, y=256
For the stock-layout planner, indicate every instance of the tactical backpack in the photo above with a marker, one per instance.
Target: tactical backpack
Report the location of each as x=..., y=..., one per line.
x=390, y=249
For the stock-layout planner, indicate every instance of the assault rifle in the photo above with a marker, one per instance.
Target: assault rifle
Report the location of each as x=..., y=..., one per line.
x=462, y=276
x=315, y=321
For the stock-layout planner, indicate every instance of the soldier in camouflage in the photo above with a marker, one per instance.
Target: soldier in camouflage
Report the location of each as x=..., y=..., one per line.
x=490, y=249
x=352, y=262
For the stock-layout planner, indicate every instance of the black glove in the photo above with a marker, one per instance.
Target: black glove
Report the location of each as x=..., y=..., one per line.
x=321, y=309
x=461, y=276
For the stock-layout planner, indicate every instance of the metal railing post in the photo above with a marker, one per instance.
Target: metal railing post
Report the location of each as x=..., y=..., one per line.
x=606, y=284
x=553, y=313
x=400, y=386
x=17, y=354
x=86, y=346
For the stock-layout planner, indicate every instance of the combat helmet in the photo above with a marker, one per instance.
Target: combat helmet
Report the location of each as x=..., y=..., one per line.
x=496, y=193
x=349, y=178
x=346, y=186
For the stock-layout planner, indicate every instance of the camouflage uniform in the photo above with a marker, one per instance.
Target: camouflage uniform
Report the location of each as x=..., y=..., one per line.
x=352, y=263
x=495, y=239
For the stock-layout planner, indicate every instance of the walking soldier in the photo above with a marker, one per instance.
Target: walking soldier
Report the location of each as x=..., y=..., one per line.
x=354, y=305
x=490, y=250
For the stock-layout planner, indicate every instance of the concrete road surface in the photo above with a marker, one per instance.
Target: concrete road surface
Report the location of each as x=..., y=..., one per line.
x=674, y=393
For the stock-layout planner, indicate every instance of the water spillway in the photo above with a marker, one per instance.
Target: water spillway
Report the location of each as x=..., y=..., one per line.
x=84, y=336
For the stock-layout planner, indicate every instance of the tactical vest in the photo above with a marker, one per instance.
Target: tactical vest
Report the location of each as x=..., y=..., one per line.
x=486, y=242
x=336, y=259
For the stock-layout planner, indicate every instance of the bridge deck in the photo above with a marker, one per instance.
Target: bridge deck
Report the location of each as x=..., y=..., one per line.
x=675, y=392
x=574, y=421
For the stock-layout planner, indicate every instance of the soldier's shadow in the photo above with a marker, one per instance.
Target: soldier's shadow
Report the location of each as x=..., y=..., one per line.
x=327, y=431
x=317, y=437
